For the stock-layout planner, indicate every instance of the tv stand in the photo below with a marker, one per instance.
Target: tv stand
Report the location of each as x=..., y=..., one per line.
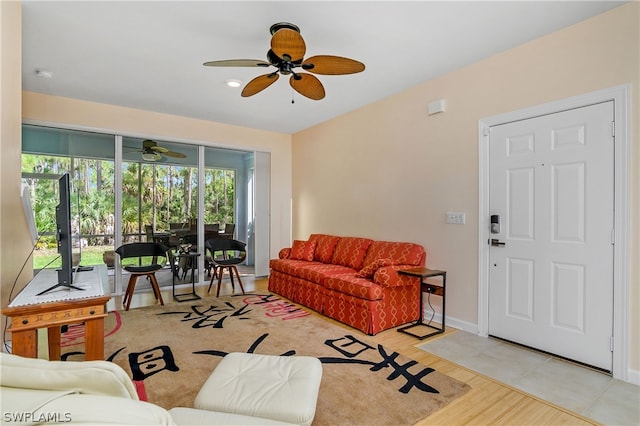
x=74, y=274
x=30, y=311
x=53, y=287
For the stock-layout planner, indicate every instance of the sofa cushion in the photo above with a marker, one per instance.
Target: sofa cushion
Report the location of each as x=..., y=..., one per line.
x=321, y=271
x=351, y=251
x=289, y=266
x=315, y=272
x=326, y=246
x=388, y=276
x=302, y=250
x=281, y=388
x=284, y=253
x=361, y=288
x=399, y=253
x=369, y=269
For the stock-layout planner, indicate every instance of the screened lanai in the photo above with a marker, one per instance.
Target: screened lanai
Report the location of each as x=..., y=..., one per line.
x=122, y=191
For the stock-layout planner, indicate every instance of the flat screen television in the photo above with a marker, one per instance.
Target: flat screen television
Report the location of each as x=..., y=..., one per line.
x=64, y=236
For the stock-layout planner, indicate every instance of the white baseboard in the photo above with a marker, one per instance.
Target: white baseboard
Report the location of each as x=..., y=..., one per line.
x=469, y=327
x=634, y=377
x=450, y=322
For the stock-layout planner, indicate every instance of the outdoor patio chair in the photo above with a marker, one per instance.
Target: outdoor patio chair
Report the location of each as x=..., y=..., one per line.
x=229, y=229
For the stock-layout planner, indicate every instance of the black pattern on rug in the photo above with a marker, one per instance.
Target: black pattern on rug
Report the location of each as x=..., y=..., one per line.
x=170, y=351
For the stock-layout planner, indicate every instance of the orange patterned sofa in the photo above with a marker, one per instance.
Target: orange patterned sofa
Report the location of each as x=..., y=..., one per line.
x=350, y=279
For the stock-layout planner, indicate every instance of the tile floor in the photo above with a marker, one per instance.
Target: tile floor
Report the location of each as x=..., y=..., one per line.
x=582, y=390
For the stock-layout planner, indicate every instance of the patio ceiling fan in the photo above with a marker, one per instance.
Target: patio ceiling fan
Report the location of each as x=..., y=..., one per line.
x=151, y=151
x=286, y=54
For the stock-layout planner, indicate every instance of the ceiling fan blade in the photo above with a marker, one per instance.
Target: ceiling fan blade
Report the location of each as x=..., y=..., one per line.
x=332, y=65
x=159, y=149
x=237, y=63
x=174, y=154
x=288, y=43
x=259, y=83
x=307, y=85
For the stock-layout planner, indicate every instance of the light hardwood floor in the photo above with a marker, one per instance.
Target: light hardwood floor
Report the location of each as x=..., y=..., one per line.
x=489, y=402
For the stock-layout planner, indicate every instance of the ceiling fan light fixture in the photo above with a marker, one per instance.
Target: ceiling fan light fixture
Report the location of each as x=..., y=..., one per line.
x=233, y=83
x=149, y=156
x=286, y=53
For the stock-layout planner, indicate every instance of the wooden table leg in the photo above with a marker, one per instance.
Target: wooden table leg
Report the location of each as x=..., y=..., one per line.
x=53, y=334
x=94, y=339
x=25, y=343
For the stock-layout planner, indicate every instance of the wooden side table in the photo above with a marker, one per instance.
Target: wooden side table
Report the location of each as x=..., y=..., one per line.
x=425, y=287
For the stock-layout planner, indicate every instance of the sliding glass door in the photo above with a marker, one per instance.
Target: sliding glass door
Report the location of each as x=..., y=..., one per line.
x=161, y=186
x=89, y=160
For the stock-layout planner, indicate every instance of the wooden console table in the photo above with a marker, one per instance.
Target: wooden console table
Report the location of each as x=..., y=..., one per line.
x=425, y=287
x=29, y=312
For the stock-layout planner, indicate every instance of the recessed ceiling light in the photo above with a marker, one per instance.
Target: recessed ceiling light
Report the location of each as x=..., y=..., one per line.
x=44, y=73
x=233, y=83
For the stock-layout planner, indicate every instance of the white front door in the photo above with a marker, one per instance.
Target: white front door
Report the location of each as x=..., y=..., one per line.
x=551, y=183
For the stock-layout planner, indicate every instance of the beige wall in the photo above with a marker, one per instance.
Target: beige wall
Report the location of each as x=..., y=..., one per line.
x=14, y=247
x=390, y=171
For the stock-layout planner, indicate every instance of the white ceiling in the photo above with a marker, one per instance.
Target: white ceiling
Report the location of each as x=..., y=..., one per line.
x=149, y=55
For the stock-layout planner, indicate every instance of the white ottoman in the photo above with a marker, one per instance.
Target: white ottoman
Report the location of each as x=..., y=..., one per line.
x=282, y=388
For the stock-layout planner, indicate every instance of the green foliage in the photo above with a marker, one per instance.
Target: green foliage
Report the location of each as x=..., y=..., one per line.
x=49, y=258
x=152, y=194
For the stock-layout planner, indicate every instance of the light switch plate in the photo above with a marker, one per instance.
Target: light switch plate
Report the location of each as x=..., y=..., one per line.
x=455, y=218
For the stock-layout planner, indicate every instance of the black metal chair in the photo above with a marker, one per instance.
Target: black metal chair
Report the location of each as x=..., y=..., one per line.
x=229, y=229
x=148, y=254
x=153, y=237
x=225, y=254
x=211, y=230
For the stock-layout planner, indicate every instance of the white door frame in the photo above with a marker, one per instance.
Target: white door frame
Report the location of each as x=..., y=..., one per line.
x=262, y=217
x=621, y=262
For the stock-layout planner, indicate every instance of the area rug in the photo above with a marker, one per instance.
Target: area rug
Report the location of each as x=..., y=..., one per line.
x=171, y=350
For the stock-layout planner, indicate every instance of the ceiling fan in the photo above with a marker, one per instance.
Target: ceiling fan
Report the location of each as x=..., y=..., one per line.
x=151, y=151
x=286, y=54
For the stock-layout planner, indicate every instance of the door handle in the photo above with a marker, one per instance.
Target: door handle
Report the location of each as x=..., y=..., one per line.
x=497, y=243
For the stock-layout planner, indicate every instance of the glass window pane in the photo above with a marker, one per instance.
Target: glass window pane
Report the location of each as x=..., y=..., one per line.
x=67, y=143
x=92, y=205
x=159, y=196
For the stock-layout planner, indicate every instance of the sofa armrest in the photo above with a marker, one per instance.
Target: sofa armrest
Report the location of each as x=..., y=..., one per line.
x=86, y=377
x=105, y=410
x=284, y=253
x=388, y=276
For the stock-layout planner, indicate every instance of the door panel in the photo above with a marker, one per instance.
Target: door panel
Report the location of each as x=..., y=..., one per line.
x=520, y=288
x=551, y=182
